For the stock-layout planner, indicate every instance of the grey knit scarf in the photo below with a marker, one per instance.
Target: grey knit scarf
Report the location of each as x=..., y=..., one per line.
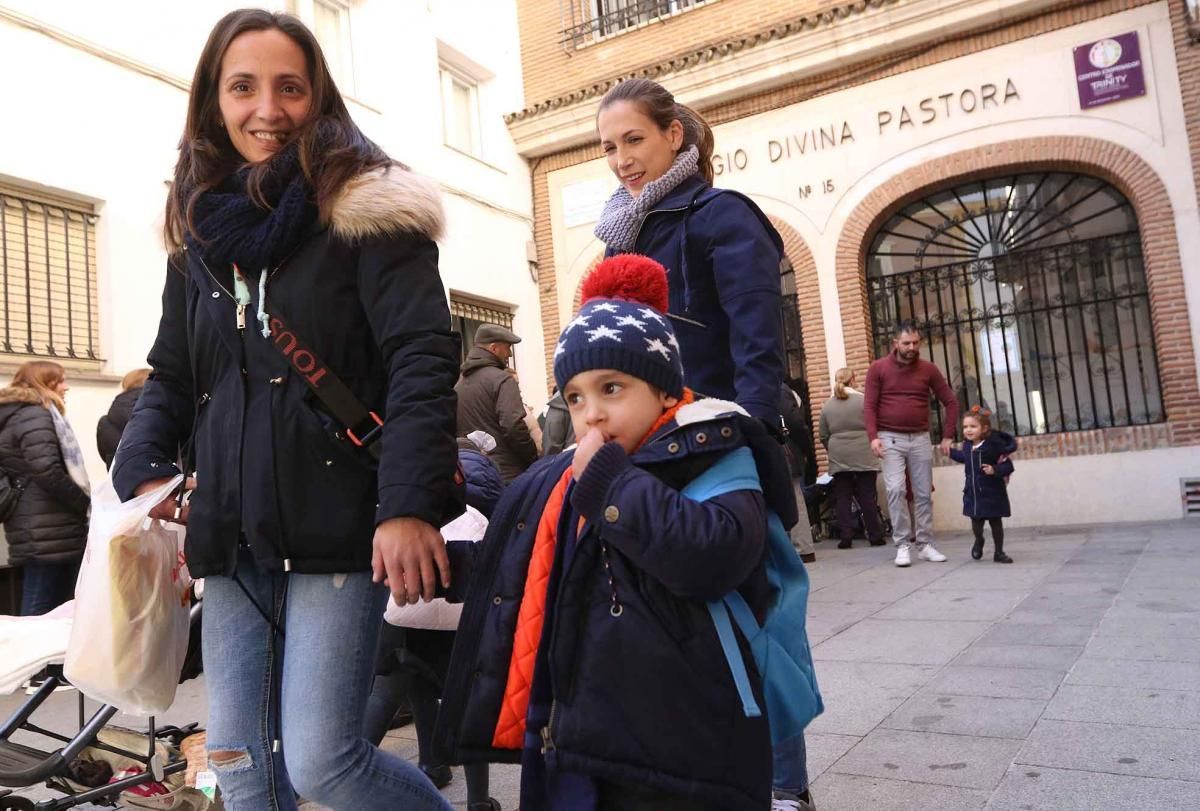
x=623, y=213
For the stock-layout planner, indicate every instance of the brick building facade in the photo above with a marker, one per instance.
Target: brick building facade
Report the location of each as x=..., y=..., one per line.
x=1018, y=177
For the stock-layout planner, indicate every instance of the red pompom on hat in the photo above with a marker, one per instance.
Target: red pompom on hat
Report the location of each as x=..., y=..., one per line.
x=623, y=325
x=628, y=277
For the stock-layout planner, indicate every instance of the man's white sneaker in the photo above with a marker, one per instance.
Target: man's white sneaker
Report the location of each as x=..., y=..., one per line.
x=785, y=801
x=902, y=556
x=929, y=553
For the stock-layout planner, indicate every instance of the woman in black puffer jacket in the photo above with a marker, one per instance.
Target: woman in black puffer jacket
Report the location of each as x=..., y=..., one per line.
x=112, y=425
x=48, y=528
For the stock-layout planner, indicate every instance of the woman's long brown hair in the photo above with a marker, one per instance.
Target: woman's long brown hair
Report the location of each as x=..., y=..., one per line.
x=42, y=376
x=332, y=148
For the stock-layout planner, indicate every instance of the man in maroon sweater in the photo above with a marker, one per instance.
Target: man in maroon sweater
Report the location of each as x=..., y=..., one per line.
x=897, y=417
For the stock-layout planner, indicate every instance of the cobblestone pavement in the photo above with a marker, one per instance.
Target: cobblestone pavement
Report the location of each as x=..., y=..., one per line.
x=1068, y=680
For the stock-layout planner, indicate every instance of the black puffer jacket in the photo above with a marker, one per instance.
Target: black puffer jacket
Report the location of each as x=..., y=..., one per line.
x=50, y=522
x=489, y=399
x=112, y=425
x=271, y=464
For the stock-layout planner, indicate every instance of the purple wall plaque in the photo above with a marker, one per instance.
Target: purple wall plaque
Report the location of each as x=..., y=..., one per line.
x=1109, y=70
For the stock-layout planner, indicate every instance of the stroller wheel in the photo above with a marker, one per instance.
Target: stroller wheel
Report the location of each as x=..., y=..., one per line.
x=16, y=804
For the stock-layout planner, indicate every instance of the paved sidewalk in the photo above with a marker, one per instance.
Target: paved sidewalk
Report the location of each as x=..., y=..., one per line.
x=1068, y=680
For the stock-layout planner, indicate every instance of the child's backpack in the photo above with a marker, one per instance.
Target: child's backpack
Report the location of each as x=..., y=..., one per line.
x=780, y=644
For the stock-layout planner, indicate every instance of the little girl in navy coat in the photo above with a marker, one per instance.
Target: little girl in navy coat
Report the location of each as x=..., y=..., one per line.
x=985, y=492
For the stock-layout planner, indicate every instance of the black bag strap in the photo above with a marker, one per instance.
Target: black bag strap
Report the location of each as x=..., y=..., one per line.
x=361, y=426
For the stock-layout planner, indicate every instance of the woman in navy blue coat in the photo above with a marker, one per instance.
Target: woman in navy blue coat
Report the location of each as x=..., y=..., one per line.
x=721, y=252
x=987, y=467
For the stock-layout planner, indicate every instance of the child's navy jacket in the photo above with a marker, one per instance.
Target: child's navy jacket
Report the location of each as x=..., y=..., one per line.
x=641, y=695
x=484, y=484
x=986, y=496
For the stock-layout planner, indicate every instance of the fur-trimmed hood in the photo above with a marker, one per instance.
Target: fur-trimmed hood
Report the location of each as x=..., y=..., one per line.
x=20, y=395
x=384, y=201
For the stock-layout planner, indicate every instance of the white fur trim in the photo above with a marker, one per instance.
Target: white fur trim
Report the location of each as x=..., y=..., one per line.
x=384, y=201
x=704, y=410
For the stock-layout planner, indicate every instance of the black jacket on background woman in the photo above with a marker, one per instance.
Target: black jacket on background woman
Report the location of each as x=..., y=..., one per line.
x=363, y=292
x=112, y=425
x=50, y=522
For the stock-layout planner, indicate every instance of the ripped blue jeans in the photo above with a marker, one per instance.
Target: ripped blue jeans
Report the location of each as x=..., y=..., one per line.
x=307, y=690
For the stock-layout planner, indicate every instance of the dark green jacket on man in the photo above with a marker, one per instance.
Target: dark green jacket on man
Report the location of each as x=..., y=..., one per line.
x=490, y=400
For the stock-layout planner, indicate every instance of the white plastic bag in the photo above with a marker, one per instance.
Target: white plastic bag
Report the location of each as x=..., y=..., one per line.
x=130, y=633
x=437, y=614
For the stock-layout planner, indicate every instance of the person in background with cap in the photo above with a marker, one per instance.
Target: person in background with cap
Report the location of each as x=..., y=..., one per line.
x=489, y=400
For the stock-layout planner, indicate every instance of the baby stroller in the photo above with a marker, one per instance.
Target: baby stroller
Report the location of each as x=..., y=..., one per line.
x=144, y=758
x=818, y=499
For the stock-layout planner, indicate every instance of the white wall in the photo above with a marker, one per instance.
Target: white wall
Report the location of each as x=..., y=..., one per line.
x=88, y=126
x=1099, y=489
x=1041, y=71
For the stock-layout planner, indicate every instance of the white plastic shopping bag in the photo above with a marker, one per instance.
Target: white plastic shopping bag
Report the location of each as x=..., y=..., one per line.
x=437, y=614
x=130, y=633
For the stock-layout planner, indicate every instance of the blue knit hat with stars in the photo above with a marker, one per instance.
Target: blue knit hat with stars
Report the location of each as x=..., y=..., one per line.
x=622, y=325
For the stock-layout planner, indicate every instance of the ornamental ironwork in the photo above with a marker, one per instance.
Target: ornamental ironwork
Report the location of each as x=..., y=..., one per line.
x=585, y=20
x=1030, y=292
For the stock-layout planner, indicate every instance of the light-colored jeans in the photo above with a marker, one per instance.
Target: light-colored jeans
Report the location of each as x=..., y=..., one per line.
x=801, y=534
x=321, y=671
x=914, y=453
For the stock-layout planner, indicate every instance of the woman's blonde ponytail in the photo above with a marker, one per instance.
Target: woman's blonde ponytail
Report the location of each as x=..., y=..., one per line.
x=842, y=380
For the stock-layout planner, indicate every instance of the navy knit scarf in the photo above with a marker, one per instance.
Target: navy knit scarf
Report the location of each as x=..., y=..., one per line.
x=232, y=229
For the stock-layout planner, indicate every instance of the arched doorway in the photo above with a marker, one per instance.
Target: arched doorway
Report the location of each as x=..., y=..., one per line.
x=1031, y=291
x=806, y=363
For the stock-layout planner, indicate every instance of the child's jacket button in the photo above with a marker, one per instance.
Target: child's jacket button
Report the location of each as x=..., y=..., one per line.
x=611, y=514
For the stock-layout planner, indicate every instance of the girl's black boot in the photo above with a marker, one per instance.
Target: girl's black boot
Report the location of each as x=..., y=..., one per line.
x=977, y=549
x=999, y=555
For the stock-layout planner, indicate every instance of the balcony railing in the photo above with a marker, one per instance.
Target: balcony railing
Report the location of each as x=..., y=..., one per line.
x=587, y=20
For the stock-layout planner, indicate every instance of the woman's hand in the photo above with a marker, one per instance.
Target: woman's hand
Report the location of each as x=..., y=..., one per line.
x=406, y=553
x=988, y=469
x=165, y=509
x=592, y=441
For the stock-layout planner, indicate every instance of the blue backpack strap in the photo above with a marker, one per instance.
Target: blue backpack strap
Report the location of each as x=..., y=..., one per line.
x=733, y=655
x=734, y=471
x=742, y=614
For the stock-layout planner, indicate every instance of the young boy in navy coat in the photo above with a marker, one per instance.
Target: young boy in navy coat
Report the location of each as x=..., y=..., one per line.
x=585, y=650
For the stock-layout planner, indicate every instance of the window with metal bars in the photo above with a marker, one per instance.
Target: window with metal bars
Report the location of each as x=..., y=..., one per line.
x=1030, y=293
x=47, y=277
x=467, y=315
x=796, y=371
x=584, y=20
